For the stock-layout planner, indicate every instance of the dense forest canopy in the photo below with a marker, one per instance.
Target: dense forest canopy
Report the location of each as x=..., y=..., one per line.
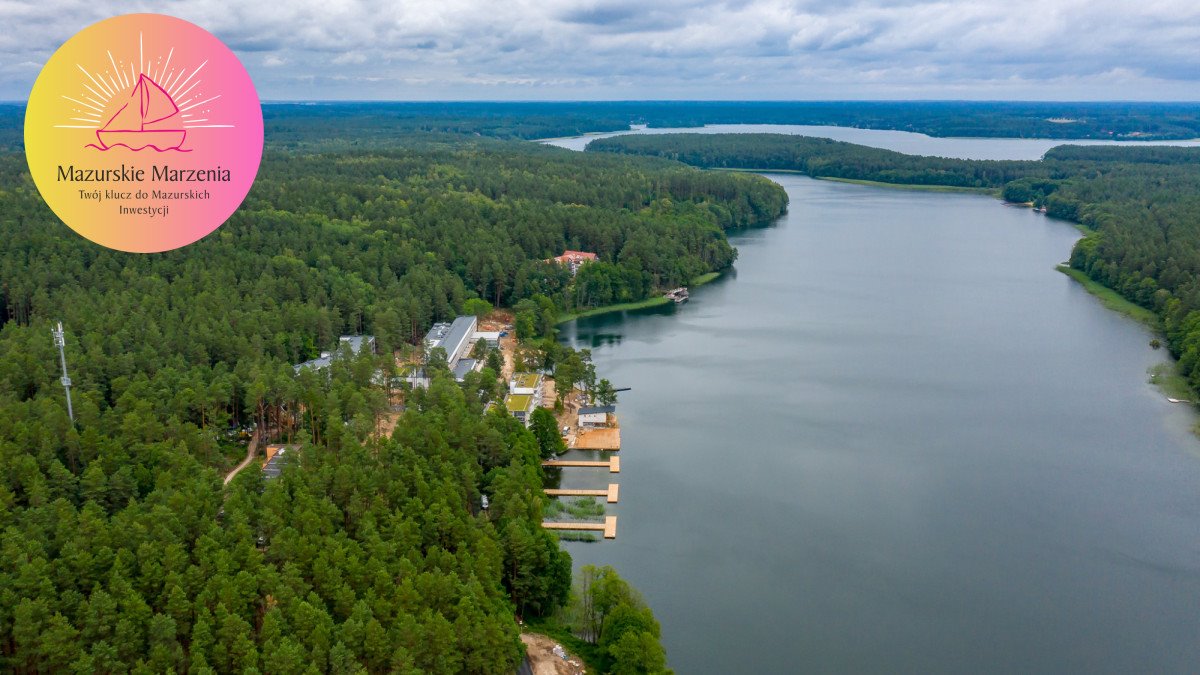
x=1141, y=205
x=122, y=550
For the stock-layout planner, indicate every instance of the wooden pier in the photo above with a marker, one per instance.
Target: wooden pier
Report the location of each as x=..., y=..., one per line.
x=609, y=526
x=610, y=494
x=613, y=464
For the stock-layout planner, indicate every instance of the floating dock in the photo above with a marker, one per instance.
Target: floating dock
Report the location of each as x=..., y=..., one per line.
x=613, y=464
x=610, y=494
x=609, y=527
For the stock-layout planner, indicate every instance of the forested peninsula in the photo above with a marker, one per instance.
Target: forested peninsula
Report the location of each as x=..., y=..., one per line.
x=123, y=551
x=1140, y=205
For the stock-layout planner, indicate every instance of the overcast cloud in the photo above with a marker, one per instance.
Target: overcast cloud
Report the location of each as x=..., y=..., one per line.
x=670, y=49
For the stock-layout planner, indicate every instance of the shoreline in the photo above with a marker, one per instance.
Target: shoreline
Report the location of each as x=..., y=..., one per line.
x=991, y=192
x=1165, y=376
x=1113, y=300
x=656, y=301
x=1170, y=384
x=1087, y=140
x=583, y=135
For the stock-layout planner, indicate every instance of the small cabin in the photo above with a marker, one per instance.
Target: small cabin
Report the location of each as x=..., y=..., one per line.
x=595, y=415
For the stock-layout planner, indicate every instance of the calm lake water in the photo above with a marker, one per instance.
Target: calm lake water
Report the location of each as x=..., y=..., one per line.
x=895, y=439
x=900, y=141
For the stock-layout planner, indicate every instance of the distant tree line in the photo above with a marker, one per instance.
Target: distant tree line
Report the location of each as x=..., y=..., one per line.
x=994, y=119
x=295, y=125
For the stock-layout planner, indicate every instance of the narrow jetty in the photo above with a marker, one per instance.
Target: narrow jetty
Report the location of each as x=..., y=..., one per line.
x=613, y=464
x=610, y=494
x=609, y=526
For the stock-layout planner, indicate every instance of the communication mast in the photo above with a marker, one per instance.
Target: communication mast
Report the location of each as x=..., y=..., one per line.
x=60, y=342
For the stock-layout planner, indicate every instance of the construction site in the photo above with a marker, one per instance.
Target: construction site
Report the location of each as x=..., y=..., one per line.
x=584, y=427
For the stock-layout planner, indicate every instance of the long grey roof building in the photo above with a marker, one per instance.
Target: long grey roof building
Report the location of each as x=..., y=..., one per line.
x=453, y=337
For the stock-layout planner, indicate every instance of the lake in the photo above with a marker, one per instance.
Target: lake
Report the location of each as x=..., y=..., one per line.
x=895, y=439
x=900, y=141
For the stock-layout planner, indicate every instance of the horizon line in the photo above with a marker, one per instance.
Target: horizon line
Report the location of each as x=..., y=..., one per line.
x=287, y=101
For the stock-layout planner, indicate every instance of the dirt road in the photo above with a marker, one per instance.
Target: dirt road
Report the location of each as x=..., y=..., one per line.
x=540, y=649
x=251, y=451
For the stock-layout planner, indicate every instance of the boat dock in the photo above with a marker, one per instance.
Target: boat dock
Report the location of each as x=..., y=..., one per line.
x=677, y=295
x=610, y=494
x=609, y=526
x=613, y=464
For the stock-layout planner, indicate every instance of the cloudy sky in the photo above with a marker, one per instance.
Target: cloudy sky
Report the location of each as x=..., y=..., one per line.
x=667, y=49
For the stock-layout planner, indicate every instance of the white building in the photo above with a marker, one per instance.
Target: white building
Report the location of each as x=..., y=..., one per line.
x=454, y=337
x=595, y=415
x=521, y=406
x=491, y=337
x=526, y=383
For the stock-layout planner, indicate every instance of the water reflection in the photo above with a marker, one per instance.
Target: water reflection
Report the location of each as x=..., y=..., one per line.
x=899, y=441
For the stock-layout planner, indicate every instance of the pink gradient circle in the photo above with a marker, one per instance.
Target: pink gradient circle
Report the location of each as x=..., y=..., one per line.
x=143, y=133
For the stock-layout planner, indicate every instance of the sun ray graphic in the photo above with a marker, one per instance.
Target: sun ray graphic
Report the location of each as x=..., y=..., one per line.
x=152, y=104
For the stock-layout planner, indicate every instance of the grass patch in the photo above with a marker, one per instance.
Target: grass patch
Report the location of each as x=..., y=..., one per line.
x=1113, y=300
x=656, y=301
x=1167, y=378
x=726, y=168
x=571, y=535
x=620, y=307
x=583, y=508
x=910, y=186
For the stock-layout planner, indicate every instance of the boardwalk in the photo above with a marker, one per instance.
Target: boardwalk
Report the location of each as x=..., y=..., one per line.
x=609, y=526
x=613, y=464
x=609, y=494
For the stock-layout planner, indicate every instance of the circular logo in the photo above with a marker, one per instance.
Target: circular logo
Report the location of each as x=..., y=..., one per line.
x=143, y=133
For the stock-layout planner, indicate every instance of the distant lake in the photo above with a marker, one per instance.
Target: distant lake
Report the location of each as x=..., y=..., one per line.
x=900, y=141
x=895, y=439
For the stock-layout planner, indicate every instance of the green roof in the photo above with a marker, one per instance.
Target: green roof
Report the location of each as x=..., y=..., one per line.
x=518, y=402
x=525, y=380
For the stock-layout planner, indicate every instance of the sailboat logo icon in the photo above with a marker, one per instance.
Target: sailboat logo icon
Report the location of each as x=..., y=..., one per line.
x=143, y=132
x=142, y=103
x=149, y=119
